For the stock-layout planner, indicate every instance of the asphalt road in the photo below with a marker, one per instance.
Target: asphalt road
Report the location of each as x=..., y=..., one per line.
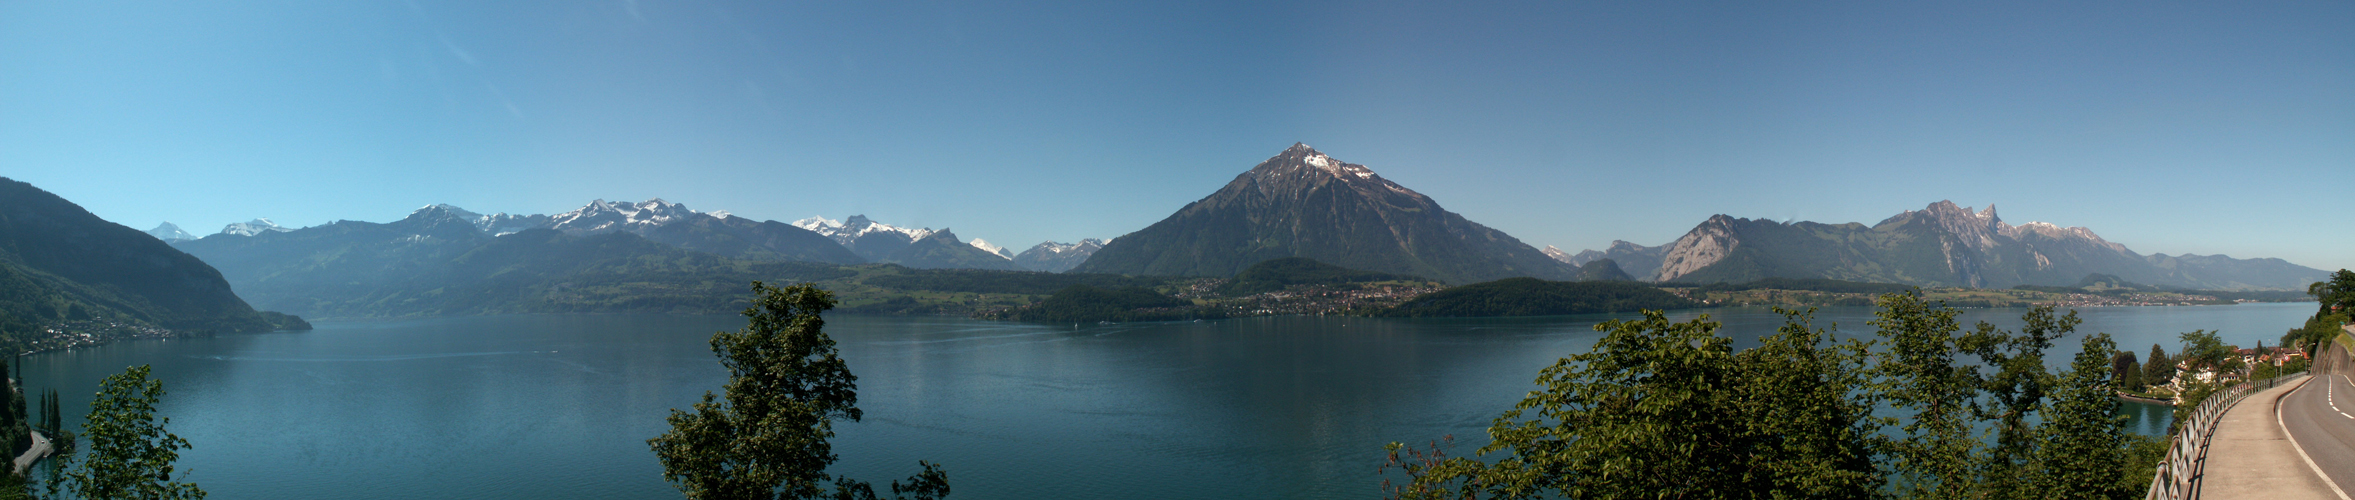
x=2320, y=417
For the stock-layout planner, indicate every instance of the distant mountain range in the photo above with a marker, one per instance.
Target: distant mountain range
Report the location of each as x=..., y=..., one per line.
x=441, y=260
x=1940, y=245
x=61, y=264
x=1302, y=203
x=1056, y=257
x=918, y=248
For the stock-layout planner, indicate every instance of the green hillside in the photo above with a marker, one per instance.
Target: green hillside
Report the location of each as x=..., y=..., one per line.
x=1535, y=297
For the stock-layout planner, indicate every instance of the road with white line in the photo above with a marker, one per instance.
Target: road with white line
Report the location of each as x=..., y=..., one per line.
x=2320, y=419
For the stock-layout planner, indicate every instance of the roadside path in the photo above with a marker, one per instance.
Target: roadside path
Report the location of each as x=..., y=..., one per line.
x=2251, y=457
x=39, y=450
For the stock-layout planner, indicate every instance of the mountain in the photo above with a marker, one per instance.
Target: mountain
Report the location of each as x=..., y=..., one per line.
x=993, y=249
x=1602, y=270
x=738, y=237
x=941, y=250
x=1947, y=245
x=60, y=263
x=253, y=227
x=1056, y=257
x=1558, y=255
x=1636, y=260
x=717, y=233
x=917, y=248
x=601, y=216
x=1302, y=203
x=169, y=233
x=439, y=261
x=871, y=240
x=499, y=223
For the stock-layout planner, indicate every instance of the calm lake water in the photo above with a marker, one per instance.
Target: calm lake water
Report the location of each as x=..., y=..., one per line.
x=523, y=407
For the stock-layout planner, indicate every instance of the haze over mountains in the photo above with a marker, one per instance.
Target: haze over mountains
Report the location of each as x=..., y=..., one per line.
x=1302, y=203
x=1939, y=245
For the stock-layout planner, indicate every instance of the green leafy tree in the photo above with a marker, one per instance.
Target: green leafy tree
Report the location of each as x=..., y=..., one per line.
x=2204, y=350
x=1933, y=458
x=767, y=439
x=2085, y=447
x=1667, y=410
x=131, y=454
x=2317, y=332
x=1810, y=432
x=2015, y=393
x=2337, y=293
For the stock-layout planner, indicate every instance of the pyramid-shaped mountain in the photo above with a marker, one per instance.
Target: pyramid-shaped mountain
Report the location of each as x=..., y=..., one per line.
x=1302, y=203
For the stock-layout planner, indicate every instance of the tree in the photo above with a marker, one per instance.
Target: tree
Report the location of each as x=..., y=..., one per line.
x=2084, y=445
x=2204, y=350
x=786, y=388
x=2129, y=376
x=131, y=454
x=2126, y=370
x=2318, y=331
x=1810, y=432
x=2160, y=370
x=1663, y=410
x=2336, y=293
x=1933, y=458
x=2017, y=392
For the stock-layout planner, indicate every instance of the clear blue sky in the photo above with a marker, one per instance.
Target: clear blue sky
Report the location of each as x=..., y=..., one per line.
x=2204, y=127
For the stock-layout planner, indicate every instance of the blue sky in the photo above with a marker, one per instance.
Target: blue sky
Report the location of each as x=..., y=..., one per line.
x=2168, y=127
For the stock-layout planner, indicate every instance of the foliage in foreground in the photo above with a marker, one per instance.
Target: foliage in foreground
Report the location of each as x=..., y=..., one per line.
x=131, y=454
x=1669, y=410
x=767, y=437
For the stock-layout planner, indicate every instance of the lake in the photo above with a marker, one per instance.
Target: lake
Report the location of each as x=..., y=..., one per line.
x=560, y=406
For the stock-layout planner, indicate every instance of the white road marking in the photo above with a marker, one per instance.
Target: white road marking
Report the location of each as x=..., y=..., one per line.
x=2309, y=459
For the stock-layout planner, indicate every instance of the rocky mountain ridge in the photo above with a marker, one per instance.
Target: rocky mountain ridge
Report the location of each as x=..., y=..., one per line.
x=1942, y=244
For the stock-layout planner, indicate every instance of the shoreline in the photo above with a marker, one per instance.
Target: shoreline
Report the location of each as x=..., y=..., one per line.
x=2140, y=399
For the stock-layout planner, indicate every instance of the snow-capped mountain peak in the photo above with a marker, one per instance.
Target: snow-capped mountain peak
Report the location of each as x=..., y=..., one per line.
x=170, y=232
x=254, y=227
x=602, y=216
x=849, y=230
x=1057, y=257
x=985, y=246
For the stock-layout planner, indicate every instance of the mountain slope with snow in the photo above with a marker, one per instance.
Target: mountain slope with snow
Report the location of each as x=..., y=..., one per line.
x=1056, y=257
x=254, y=227
x=1302, y=203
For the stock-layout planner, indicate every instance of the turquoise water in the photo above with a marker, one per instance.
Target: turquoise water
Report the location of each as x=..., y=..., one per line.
x=561, y=406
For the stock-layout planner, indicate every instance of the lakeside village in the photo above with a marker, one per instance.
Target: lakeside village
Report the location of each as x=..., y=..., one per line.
x=2186, y=378
x=1955, y=297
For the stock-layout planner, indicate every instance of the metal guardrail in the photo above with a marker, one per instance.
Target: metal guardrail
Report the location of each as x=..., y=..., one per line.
x=2178, y=477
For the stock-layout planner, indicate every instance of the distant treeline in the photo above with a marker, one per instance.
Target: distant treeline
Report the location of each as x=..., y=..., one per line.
x=1088, y=304
x=2103, y=284
x=1014, y=282
x=1277, y=274
x=1808, y=284
x=1535, y=297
